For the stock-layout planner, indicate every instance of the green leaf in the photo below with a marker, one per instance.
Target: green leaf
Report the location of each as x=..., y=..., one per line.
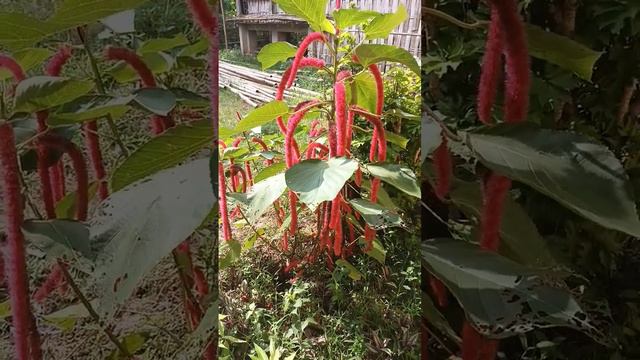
x=354, y=273
x=349, y=17
x=66, y=208
x=501, y=297
x=189, y=98
x=382, y=25
x=562, y=51
x=364, y=90
x=520, y=238
x=316, y=181
x=378, y=252
x=43, y=92
x=262, y=115
x=262, y=355
x=138, y=226
x=28, y=59
x=435, y=318
x=194, y=49
x=162, y=152
x=398, y=176
x=312, y=11
x=156, y=100
x=66, y=318
x=261, y=196
x=19, y=30
x=375, y=53
x=132, y=342
x=276, y=52
x=375, y=215
x=57, y=237
x=162, y=44
x=72, y=13
x=121, y=23
x=5, y=309
x=580, y=174
x=90, y=107
x=396, y=139
x=158, y=63
x=269, y=171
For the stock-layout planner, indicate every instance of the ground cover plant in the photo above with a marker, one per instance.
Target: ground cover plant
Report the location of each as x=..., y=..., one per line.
x=108, y=182
x=529, y=214
x=317, y=200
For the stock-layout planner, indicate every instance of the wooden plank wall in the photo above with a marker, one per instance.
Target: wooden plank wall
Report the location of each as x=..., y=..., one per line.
x=406, y=35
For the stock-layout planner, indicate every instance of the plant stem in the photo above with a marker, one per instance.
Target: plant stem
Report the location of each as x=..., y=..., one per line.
x=85, y=302
x=101, y=89
x=451, y=19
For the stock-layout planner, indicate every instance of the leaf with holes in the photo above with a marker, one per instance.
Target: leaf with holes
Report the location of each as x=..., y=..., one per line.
x=138, y=226
x=43, y=92
x=375, y=215
x=580, y=174
x=501, y=297
x=316, y=181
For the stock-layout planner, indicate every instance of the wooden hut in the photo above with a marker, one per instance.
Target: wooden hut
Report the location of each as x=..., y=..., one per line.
x=254, y=16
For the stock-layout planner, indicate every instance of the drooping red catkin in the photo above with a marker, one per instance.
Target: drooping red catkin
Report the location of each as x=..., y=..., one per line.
x=92, y=142
x=200, y=281
x=204, y=16
x=291, y=157
x=475, y=346
x=56, y=173
x=335, y=212
x=377, y=76
x=378, y=131
x=444, y=168
x=58, y=60
x=224, y=212
x=495, y=191
x=51, y=283
x=158, y=123
x=491, y=68
x=247, y=170
x=302, y=49
x=338, y=239
x=135, y=61
x=14, y=255
x=7, y=62
x=312, y=149
x=340, y=93
x=333, y=141
x=517, y=60
x=63, y=145
x=236, y=170
x=439, y=290
x=43, y=170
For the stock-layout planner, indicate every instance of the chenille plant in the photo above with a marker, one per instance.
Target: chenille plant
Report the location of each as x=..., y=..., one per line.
x=309, y=174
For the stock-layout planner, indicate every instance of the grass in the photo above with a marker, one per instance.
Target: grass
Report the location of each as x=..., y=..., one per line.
x=324, y=314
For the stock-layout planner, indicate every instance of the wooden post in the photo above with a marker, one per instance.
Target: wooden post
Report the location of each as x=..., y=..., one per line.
x=224, y=25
